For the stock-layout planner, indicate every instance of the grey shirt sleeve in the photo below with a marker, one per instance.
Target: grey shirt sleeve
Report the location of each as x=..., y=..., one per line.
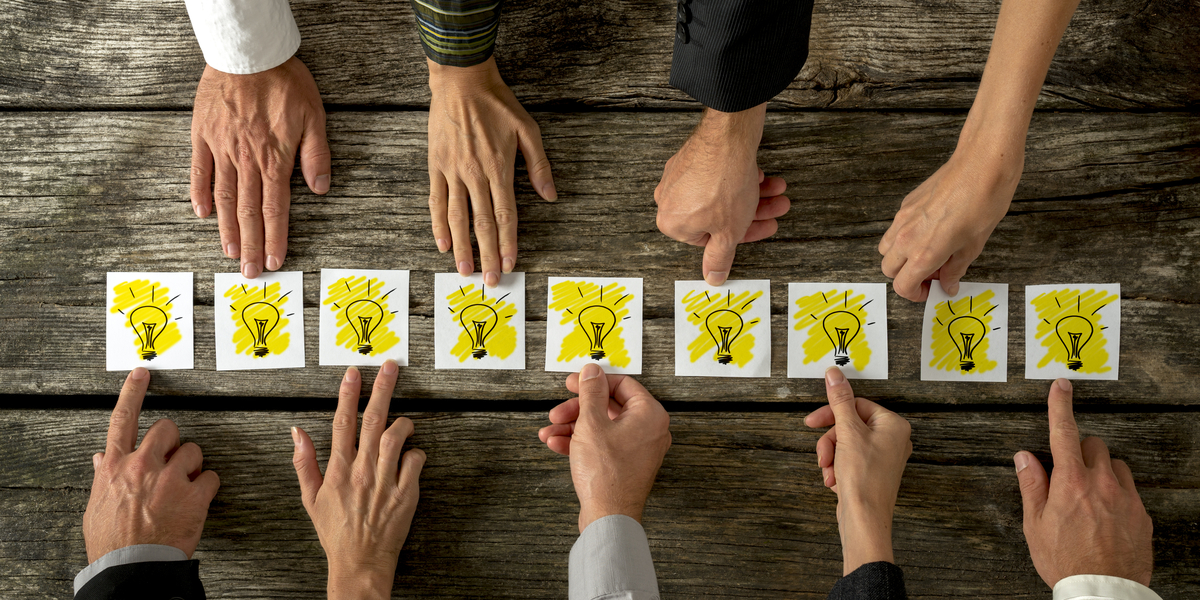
x=125, y=556
x=611, y=561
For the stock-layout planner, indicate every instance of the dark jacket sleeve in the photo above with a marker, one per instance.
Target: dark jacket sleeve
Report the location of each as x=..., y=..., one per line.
x=458, y=33
x=732, y=55
x=872, y=581
x=146, y=581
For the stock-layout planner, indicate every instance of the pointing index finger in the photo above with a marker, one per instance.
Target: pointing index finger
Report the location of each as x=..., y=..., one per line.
x=123, y=426
x=1064, y=433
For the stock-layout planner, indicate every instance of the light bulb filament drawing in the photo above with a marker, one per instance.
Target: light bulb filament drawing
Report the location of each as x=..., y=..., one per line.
x=478, y=320
x=597, y=322
x=148, y=323
x=1078, y=332
x=841, y=327
x=364, y=317
x=260, y=318
x=966, y=332
x=724, y=326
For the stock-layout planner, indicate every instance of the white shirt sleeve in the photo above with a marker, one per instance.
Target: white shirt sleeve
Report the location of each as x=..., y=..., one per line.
x=611, y=561
x=1101, y=587
x=244, y=36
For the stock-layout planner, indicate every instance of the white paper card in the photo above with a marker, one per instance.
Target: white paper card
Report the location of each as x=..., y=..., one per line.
x=840, y=325
x=259, y=323
x=965, y=337
x=148, y=321
x=1072, y=331
x=476, y=327
x=594, y=319
x=723, y=331
x=364, y=317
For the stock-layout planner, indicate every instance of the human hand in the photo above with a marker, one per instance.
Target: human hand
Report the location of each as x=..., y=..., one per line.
x=616, y=441
x=476, y=126
x=155, y=494
x=942, y=225
x=250, y=127
x=1087, y=517
x=713, y=194
x=364, y=504
x=871, y=445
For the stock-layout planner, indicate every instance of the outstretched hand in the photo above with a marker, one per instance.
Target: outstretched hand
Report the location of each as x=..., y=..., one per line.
x=1087, y=518
x=616, y=434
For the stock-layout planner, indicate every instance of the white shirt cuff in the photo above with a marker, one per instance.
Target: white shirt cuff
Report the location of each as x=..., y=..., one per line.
x=611, y=561
x=244, y=36
x=1101, y=587
x=128, y=555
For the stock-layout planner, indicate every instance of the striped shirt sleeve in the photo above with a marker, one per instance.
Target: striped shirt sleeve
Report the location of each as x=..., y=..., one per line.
x=458, y=33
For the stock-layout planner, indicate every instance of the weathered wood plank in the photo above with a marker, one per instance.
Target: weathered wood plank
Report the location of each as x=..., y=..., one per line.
x=890, y=54
x=110, y=193
x=738, y=510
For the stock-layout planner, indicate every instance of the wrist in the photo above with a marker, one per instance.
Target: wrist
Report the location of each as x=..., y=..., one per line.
x=588, y=515
x=359, y=583
x=866, y=533
x=474, y=77
x=743, y=127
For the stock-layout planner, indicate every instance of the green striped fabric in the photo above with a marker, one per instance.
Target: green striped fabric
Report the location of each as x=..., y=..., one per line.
x=458, y=33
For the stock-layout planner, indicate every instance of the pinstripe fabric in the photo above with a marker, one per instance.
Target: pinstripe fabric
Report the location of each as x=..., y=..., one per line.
x=732, y=55
x=458, y=33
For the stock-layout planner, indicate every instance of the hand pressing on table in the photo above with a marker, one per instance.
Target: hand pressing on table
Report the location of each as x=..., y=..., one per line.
x=364, y=504
x=1086, y=518
x=246, y=131
x=616, y=435
x=155, y=493
x=713, y=194
x=476, y=127
x=862, y=459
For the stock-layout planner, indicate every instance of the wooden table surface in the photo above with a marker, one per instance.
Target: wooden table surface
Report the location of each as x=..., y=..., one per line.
x=95, y=103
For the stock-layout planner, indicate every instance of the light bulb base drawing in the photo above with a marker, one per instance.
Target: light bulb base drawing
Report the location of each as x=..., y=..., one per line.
x=597, y=354
x=966, y=365
x=841, y=361
x=1075, y=365
x=364, y=349
x=724, y=358
x=261, y=351
x=480, y=353
x=148, y=354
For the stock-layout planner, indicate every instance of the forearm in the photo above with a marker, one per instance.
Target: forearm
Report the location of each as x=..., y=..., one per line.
x=1026, y=38
x=866, y=538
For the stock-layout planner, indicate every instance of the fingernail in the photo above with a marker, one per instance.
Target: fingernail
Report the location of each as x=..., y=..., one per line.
x=1021, y=460
x=509, y=263
x=491, y=279
x=96, y=462
x=196, y=209
x=296, y=436
x=250, y=270
x=443, y=245
x=1064, y=384
x=464, y=268
x=716, y=277
x=351, y=375
x=834, y=376
x=549, y=192
x=590, y=371
x=272, y=262
x=321, y=185
x=139, y=374
x=231, y=250
x=389, y=367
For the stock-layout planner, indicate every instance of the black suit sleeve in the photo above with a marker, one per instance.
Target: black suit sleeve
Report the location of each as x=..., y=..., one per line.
x=732, y=55
x=170, y=580
x=872, y=581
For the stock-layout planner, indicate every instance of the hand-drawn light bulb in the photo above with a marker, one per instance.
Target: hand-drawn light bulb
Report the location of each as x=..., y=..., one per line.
x=724, y=326
x=260, y=318
x=841, y=327
x=966, y=332
x=148, y=323
x=1074, y=332
x=478, y=320
x=597, y=322
x=364, y=317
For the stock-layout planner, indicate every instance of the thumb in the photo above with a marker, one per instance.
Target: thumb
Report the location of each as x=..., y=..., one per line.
x=97, y=459
x=1035, y=485
x=841, y=398
x=593, y=394
x=718, y=259
x=530, y=142
x=314, y=156
x=305, y=460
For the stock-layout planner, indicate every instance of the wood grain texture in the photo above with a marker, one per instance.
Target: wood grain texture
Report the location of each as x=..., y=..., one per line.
x=888, y=54
x=738, y=510
x=1105, y=198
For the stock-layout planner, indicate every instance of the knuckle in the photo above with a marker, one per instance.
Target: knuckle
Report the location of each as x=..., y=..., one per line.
x=342, y=423
x=406, y=427
x=371, y=420
x=225, y=196
x=505, y=216
x=456, y=212
x=248, y=210
x=273, y=210
x=484, y=225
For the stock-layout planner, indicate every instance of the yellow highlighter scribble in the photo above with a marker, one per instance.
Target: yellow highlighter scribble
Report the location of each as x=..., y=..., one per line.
x=722, y=328
x=1069, y=327
x=961, y=334
x=259, y=319
x=360, y=304
x=834, y=320
x=146, y=306
x=597, y=312
x=485, y=324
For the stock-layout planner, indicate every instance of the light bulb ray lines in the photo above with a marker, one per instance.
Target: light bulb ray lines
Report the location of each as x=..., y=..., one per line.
x=722, y=333
x=1070, y=329
x=593, y=313
x=259, y=319
x=145, y=306
x=483, y=324
x=960, y=334
x=362, y=314
x=832, y=321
